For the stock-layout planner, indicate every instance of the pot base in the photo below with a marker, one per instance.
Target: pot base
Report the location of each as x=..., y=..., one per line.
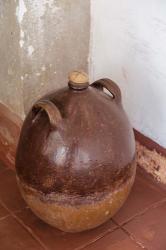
x=79, y=213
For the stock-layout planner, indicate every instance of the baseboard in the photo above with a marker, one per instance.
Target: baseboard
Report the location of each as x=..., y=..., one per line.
x=10, y=126
x=149, y=143
x=151, y=157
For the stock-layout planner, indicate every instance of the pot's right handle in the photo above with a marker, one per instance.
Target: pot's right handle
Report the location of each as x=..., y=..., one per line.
x=51, y=109
x=111, y=86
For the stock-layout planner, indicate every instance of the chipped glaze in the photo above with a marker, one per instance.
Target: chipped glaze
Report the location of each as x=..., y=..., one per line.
x=76, y=149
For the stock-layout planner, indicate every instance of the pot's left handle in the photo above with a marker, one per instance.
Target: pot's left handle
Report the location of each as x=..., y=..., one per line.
x=51, y=109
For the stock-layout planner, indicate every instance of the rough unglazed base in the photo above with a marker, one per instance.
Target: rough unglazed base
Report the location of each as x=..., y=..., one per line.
x=78, y=214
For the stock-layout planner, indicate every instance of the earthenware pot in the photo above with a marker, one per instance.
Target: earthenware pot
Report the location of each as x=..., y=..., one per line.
x=75, y=159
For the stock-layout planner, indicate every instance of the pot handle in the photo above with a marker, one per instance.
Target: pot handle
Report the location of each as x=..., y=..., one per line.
x=51, y=109
x=111, y=86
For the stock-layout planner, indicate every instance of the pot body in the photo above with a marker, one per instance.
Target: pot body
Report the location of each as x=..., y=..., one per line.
x=75, y=159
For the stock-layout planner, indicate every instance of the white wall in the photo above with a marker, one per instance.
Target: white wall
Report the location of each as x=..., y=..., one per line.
x=128, y=44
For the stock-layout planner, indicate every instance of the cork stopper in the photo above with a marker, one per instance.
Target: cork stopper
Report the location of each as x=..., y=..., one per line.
x=78, y=80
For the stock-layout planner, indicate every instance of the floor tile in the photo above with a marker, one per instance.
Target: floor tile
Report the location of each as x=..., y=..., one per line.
x=14, y=237
x=144, y=193
x=9, y=192
x=3, y=212
x=150, y=228
x=116, y=240
x=2, y=166
x=59, y=240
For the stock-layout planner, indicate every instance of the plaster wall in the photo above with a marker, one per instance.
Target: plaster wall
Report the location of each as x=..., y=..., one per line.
x=42, y=41
x=11, y=88
x=128, y=45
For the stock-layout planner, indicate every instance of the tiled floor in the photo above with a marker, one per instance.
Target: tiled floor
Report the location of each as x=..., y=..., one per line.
x=140, y=224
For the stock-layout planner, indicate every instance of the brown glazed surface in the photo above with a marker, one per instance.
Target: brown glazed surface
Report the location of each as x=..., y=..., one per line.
x=77, y=143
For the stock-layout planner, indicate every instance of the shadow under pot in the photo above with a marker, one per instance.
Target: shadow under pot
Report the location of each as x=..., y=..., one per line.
x=75, y=159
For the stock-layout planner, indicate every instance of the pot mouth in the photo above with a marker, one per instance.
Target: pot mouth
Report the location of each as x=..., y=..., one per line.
x=78, y=80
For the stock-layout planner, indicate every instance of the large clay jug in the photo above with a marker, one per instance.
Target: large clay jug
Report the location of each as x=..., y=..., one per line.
x=75, y=159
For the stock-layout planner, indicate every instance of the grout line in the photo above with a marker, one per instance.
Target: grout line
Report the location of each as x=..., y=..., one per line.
x=131, y=236
x=134, y=239
x=28, y=229
x=97, y=238
x=4, y=217
x=142, y=212
x=153, y=206
x=20, y=210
